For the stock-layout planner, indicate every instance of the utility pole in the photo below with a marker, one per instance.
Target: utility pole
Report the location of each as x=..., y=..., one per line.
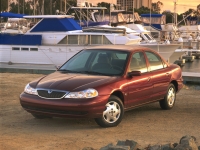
x=175, y=14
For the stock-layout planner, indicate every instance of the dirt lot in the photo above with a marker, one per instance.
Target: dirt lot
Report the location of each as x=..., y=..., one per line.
x=145, y=125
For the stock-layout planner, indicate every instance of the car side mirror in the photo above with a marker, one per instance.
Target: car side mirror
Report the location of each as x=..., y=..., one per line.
x=57, y=67
x=134, y=73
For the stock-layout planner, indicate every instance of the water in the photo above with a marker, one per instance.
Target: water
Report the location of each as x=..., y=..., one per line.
x=192, y=66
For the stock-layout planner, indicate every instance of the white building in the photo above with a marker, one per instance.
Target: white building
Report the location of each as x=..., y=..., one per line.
x=128, y=4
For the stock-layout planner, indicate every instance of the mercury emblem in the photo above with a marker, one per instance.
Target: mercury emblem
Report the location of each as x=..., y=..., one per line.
x=49, y=91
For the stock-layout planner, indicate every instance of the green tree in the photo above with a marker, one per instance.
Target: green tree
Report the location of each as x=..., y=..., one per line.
x=169, y=16
x=57, y=6
x=26, y=7
x=104, y=4
x=198, y=9
x=181, y=17
x=4, y=5
x=143, y=10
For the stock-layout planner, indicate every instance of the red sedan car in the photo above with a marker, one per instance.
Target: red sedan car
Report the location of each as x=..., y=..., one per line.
x=102, y=83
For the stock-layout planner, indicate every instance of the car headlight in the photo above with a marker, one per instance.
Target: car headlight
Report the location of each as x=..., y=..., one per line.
x=28, y=89
x=89, y=93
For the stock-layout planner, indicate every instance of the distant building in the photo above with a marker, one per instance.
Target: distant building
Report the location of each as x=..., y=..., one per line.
x=128, y=4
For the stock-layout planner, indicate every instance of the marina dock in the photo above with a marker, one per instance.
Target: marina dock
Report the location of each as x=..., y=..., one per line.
x=191, y=76
x=27, y=68
x=191, y=71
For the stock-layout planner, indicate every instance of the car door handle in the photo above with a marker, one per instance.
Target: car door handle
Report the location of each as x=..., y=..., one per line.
x=167, y=74
x=148, y=79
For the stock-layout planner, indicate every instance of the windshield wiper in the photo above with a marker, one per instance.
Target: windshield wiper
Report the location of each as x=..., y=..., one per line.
x=65, y=70
x=86, y=72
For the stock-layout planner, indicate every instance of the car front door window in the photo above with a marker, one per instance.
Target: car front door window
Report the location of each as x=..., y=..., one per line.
x=138, y=63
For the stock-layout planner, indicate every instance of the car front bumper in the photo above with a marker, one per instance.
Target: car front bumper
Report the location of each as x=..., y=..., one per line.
x=69, y=108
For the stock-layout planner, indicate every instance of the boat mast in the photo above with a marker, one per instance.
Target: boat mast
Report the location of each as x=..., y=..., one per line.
x=60, y=5
x=8, y=6
x=42, y=7
x=175, y=14
x=23, y=6
x=133, y=11
x=110, y=15
x=18, y=7
x=34, y=9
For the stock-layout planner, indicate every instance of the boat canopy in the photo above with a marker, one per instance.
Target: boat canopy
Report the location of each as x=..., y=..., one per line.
x=154, y=20
x=152, y=15
x=11, y=15
x=193, y=20
x=56, y=25
x=49, y=16
x=89, y=8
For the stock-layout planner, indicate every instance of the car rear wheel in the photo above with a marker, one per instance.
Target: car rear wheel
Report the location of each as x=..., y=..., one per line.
x=169, y=99
x=113, y=113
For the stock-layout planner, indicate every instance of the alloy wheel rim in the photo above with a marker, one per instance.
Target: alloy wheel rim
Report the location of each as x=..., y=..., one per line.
x=112, y=112
x=171, y=96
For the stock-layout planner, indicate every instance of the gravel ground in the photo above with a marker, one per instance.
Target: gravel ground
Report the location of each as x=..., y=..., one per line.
x=145, y=125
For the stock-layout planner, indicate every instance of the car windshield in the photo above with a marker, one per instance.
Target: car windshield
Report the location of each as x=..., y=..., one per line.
x=97, y=62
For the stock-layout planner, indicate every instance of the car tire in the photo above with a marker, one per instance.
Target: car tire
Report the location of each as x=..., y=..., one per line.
x=40, y=116
x=169, y=99
x=113, y=113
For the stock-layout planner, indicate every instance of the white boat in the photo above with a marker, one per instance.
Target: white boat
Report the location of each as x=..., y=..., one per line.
x=122, y=19
x=56, y=38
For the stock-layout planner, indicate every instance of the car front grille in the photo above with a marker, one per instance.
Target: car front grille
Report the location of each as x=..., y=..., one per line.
x=48, y=94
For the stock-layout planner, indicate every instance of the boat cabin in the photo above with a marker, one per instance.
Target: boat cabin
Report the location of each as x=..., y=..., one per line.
x=153, y=20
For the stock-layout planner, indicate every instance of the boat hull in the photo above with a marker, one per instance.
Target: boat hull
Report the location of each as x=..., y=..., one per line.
x=57, y=55
x=165, y=50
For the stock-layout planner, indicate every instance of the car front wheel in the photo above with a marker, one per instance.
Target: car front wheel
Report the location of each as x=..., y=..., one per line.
x=169, y=99
x=113, y=113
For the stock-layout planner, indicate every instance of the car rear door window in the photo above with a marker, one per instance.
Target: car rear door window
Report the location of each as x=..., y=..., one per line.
x=154, y=61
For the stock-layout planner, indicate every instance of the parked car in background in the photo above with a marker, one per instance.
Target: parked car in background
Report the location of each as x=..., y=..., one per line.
x=102, y=83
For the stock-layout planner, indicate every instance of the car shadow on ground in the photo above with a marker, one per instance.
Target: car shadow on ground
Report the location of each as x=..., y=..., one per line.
x=83, y=123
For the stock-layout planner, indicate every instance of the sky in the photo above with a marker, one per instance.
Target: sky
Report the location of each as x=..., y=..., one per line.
x=182, y=5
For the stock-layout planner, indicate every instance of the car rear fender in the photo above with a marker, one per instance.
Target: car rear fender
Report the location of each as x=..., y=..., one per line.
x=177, y=78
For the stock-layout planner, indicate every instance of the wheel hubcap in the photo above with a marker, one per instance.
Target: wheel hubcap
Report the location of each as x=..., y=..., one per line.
x=171, y=96
x=112, y=112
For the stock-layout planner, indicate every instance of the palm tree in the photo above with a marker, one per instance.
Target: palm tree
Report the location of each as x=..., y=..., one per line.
x=157, y=6
x=198, y=8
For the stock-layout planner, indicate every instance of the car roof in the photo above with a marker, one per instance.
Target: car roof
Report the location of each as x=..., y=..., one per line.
x=120, y=47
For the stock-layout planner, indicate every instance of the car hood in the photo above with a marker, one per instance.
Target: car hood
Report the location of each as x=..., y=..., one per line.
x=71, y=81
